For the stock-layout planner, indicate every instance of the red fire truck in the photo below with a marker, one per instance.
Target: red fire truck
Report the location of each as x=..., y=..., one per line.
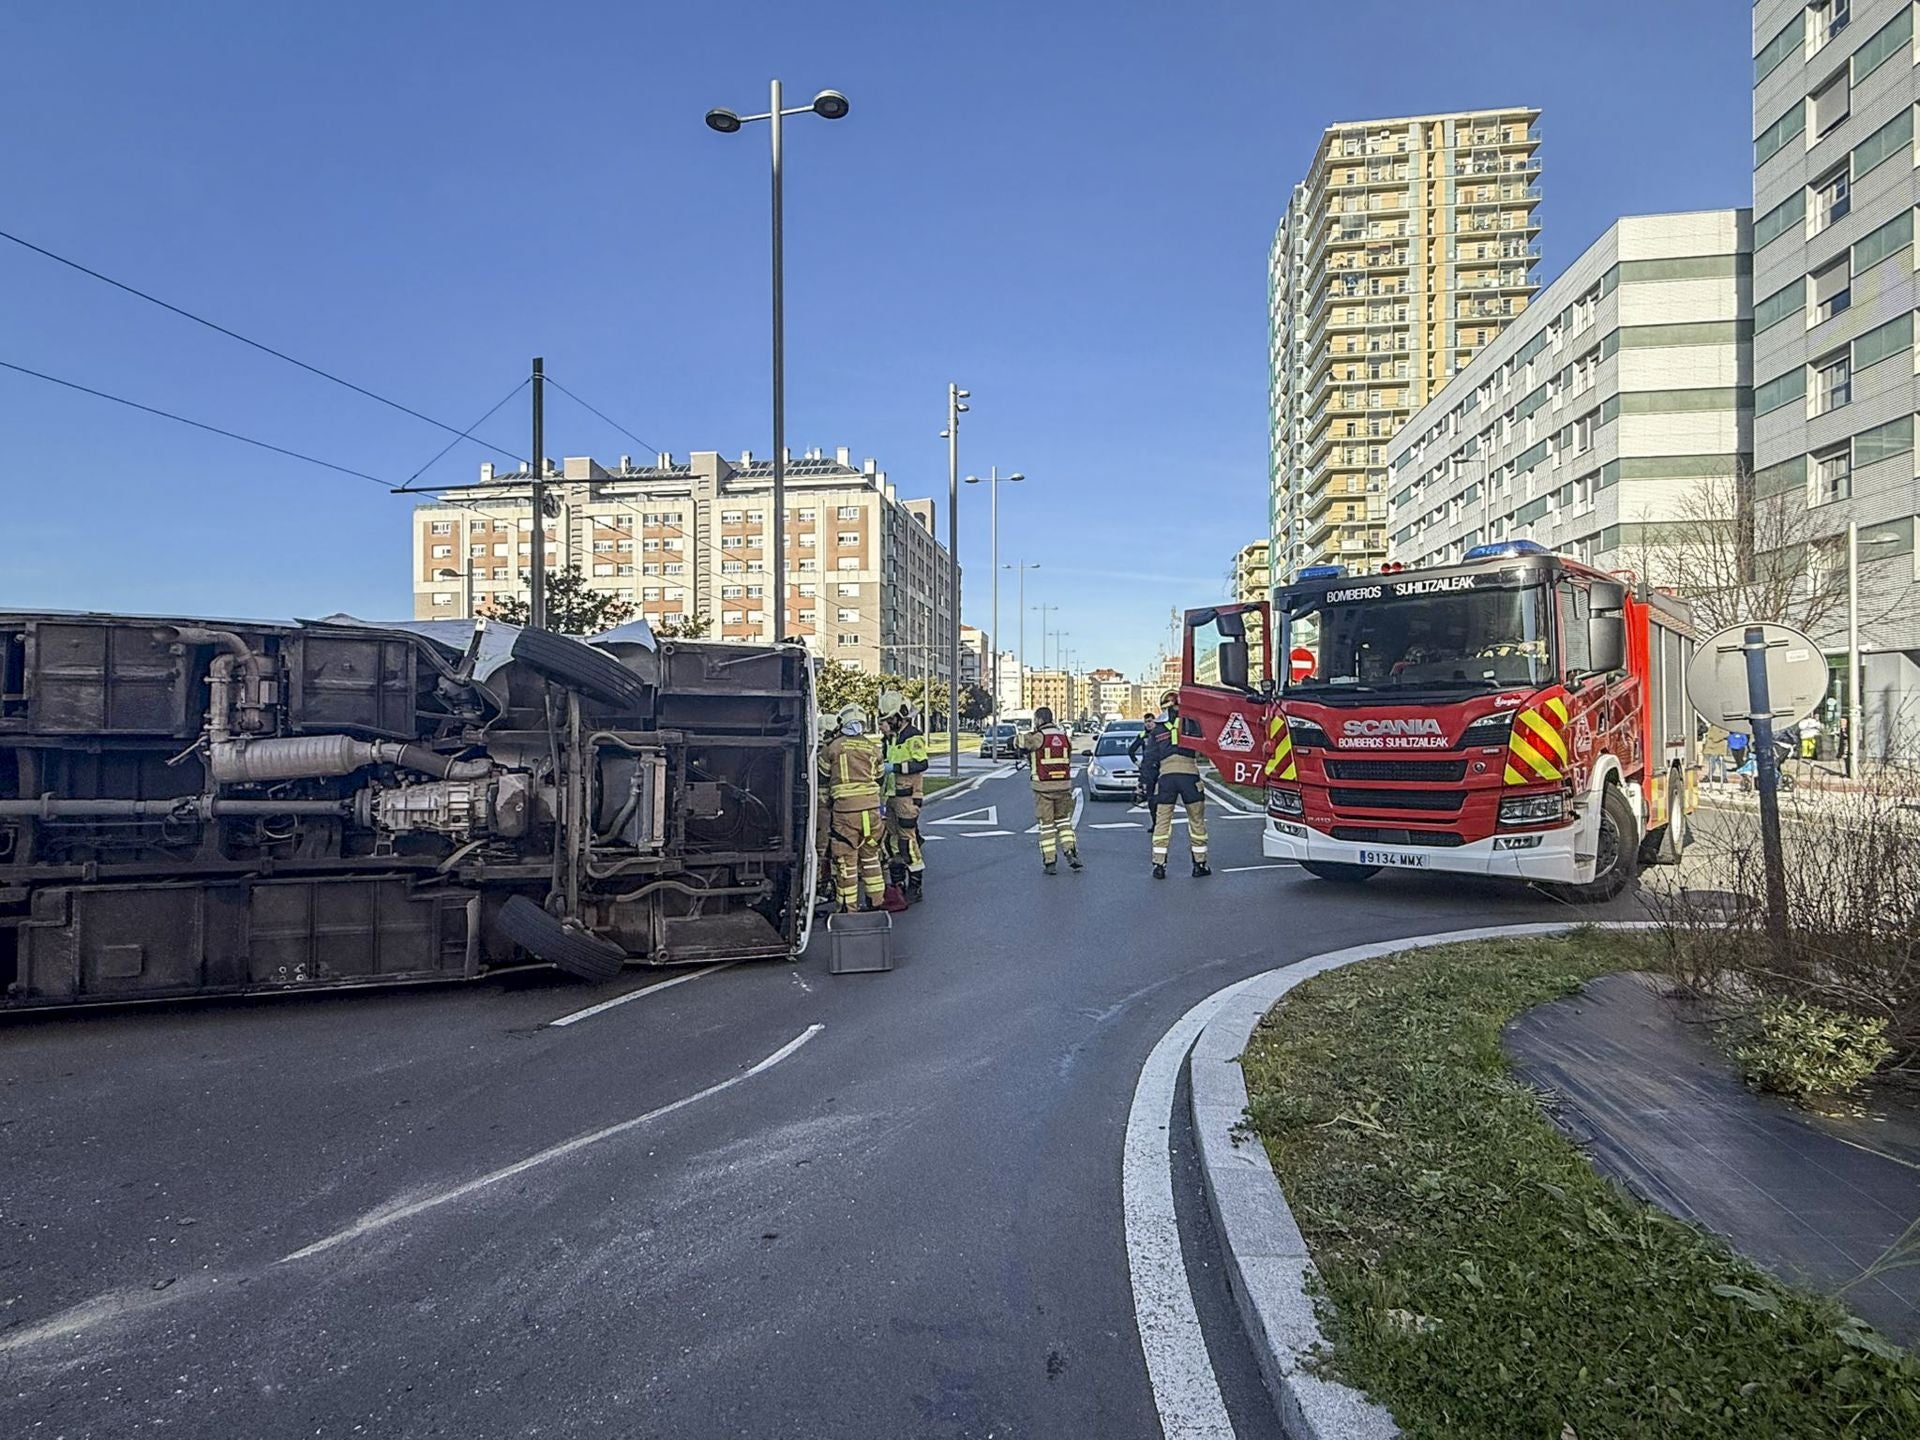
x=1518, y=714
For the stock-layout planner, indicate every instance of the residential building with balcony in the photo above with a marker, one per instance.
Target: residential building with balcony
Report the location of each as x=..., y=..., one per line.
x=1834, y=190
x=1602, y=415
x=1408, y=248
x=1253, y=572
x=868, y=582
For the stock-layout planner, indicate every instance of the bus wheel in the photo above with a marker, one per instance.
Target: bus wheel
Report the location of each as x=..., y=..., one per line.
x=1616, y=857
x=1338, y=873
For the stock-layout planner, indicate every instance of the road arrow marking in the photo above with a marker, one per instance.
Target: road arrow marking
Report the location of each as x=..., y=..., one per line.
x=985, y=815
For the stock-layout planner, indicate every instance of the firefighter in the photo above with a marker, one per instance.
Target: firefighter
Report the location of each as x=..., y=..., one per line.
x=850, y=770
x=829, y=726
x=1169, y=776
x=1051, y=747
x=906, y=763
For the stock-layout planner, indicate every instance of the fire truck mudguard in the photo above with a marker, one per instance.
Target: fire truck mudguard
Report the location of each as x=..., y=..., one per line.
x=1517, y=715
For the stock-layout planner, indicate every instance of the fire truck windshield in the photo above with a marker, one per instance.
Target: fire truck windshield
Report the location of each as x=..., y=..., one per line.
x=1369, y=640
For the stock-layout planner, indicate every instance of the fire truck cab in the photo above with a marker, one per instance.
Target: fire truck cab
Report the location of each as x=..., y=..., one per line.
x=1519, y=714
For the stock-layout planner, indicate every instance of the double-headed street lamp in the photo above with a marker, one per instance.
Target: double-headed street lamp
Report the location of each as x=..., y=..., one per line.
x=993, y=491
x=828, y=105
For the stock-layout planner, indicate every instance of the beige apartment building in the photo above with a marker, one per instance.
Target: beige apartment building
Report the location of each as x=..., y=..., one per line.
x=867, y=581
x=1409, y=246
x=1252, y=572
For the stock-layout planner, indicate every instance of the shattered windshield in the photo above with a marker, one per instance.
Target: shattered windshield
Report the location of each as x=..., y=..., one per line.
x=1478, y=639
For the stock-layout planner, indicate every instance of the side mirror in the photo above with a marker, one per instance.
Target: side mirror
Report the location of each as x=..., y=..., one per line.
x=1608, y=597
x=1607, y=642
x=1233, y=664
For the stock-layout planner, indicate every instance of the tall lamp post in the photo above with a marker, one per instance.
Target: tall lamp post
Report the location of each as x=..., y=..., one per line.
x=993, y=509
x=1045, y=611
x=956, y=407
x=828, y=105
x=466, y=588
x=1020, y=656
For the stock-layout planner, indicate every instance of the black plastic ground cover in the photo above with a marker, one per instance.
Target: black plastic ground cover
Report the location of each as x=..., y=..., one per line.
x=1814, y=1200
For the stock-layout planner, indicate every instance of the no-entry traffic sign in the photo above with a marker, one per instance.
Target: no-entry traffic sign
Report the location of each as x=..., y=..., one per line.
x=1300, y=662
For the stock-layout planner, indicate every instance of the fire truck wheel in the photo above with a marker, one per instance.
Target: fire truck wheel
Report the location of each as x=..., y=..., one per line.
x=1338, y=873
x=581, y=955
x=1618, y=853
x=1667, y=845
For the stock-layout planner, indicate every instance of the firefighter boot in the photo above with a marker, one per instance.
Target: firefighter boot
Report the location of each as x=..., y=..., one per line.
x=1201, y=869
x=1073, y=860
x=916, y=886
x=1159, y=871
x=1049, y=867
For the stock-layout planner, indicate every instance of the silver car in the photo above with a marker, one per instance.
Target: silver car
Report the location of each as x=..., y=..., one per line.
x=1111, y=772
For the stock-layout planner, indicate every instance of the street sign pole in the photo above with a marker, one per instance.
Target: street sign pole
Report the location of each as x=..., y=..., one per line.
x=1766, y=768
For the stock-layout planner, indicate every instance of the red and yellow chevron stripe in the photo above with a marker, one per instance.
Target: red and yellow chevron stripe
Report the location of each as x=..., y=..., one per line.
x=1280, y=764
x=1537, y=749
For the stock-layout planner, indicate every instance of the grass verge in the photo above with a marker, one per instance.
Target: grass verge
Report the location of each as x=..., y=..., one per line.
x=1479, y=1277
x=934, y=784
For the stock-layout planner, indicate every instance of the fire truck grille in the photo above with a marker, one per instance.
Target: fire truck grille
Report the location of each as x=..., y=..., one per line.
x=1370, y=835
x=1448, y=801
x=1438, y=772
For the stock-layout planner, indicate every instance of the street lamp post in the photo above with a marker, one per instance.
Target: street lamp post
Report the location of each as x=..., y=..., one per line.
x=993, y=509
x=956, y=407
x=828, y=105
x=1020, y=656
x=466, y=587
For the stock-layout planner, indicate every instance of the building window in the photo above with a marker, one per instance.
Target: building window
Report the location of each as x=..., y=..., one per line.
x=623, y=569
x=603, y=547
x=443, y=527
x=625, y=547
x=732, y=592
x=756, y=592
x=848, y=537
x=443, y=552
x=848, y=591
x=442, y=598
x=1832, y=476
x=1832, y=291
x=847, y=562
x=733, y=617
x=807, y=541
x=652, y=592
x=847, y=512
x=808, y=591
x=733, y=542
x=1826, y=19
x=849, y=639
x=849, y=617
x=1832, y=196
x=674, y=542
x=501, y=548
x=1830, y=104
x=1832, y=384
x=732, y=517
x=676, y=569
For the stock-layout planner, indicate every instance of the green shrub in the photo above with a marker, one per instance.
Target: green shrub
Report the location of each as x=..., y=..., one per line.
x=1801, y=1049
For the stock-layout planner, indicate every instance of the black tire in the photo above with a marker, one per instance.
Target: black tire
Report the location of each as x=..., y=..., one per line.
x=574, y=663
x=1339, y=873
x=1618, y=854
x=583, y=956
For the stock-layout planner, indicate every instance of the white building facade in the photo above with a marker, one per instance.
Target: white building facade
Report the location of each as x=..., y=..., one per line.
x=1601, y=413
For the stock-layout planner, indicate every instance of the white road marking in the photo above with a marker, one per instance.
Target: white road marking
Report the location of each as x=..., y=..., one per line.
x=592, y=1010
x=380, y=1219
x=1185, y=1390
x=1243, y=869
x=985, y=815
x=1116, y=825
x=976, y=834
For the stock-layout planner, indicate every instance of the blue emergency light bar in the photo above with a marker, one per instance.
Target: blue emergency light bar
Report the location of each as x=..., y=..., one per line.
x=1503, y=549
x=1321, y=572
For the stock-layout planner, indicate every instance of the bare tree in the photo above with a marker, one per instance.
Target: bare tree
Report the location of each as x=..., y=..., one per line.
x=1740, y=556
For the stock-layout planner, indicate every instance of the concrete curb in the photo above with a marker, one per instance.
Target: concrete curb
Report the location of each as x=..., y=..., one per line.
x=965, y=787
x=1267, y=1260
x=1227, y=798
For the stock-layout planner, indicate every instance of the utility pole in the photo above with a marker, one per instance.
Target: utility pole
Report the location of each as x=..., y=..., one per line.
x=537, y=570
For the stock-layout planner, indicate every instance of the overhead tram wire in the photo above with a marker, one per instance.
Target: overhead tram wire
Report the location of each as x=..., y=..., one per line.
x=468, y=432
x=215, y=429
x=601, y=413
x=265, y=349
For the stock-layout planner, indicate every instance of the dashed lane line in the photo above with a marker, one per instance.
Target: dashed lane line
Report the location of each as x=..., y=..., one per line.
x=380, y=1219
x=645, y=990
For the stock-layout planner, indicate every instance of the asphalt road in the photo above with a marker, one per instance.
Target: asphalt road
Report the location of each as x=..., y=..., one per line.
x=343, y=1215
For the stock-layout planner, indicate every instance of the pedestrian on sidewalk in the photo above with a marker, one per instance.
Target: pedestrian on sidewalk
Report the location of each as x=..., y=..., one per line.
x=850, y=767
x=1051, y=746
x=1738, y=744
x=1714, y=748
x=1169, y=776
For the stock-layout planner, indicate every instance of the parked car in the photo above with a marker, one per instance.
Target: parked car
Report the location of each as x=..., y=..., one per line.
x=208, y=807
x=1131, y=729
x=996, y=742
x=1111, y=771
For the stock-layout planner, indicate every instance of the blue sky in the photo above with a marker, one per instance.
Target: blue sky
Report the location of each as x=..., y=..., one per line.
x=1063, y=204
